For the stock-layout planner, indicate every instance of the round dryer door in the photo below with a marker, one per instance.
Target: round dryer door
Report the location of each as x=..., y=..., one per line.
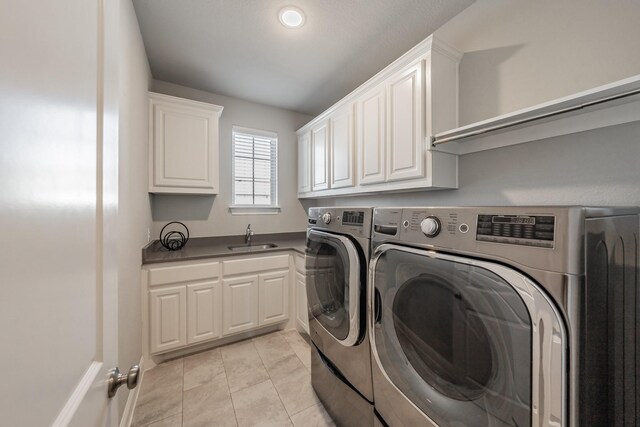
x=458, y=339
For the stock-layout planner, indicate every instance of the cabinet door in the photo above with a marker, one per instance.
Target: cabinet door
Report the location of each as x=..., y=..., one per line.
x=341, y=142
x=406, y=157
x=204, y=311
x=302, y=311
x=372, y=135
x=168, y=323
x=184, y=144
x=304, y=163
x=274, y=297
x=320, y=157
x=240, y=302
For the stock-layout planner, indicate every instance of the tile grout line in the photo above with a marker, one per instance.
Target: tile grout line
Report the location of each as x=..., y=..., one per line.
x=158, y=420
x=226, y=378
x=182, y=395
x=168, y=415
x=303, y=364
x=295, y=352
x=269, y=375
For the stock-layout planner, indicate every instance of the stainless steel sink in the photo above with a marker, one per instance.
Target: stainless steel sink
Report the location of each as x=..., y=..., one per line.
x=246, y=248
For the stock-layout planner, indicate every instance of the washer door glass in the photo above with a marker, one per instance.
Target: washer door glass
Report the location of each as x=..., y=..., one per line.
x=333, y=284
x=454, y=338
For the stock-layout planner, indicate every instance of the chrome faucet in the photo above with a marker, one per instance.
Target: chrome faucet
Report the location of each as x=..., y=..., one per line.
x=248, y=235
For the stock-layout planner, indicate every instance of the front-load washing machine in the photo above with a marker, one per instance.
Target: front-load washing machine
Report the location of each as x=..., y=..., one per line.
x=337, y=255
x=505, y=316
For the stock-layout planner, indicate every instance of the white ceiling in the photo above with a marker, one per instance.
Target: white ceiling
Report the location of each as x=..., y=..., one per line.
x=238, y=48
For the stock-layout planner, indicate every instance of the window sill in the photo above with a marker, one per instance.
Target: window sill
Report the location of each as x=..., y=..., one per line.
x=254, y=210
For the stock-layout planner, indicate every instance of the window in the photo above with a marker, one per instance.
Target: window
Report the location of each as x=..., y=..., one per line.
x=255, y=169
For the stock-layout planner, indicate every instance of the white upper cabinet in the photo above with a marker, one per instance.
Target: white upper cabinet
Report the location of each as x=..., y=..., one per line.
x=341, y=130
x=387, y=123
x=320, y=157
x=405, y=154
x=372, y=134
x=304, y=162
x=183, y=145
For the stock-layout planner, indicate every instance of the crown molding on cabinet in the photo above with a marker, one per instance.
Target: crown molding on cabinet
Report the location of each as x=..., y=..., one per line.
x=431, y=43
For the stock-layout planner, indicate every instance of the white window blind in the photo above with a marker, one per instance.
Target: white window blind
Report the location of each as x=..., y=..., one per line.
x=255, y=167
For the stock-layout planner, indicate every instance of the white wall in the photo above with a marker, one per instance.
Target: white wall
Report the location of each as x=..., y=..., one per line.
x=519, y=53
x=209, y=215
x=134, y=214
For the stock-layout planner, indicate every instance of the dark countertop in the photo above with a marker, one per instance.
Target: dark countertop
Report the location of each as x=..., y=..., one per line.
x=207, y=247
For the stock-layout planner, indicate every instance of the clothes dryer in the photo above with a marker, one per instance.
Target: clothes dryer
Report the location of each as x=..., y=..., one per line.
x=505, y=316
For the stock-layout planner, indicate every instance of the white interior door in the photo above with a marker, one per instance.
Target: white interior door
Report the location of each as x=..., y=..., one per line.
x=58, y=204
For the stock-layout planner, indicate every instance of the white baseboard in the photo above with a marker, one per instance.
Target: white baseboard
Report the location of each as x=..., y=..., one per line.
x=127, y=415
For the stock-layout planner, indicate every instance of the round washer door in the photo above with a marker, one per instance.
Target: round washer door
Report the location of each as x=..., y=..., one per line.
x=459, y=337
x=333, y=285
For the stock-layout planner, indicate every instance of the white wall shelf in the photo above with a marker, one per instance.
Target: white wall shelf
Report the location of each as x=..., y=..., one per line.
x=608, y=105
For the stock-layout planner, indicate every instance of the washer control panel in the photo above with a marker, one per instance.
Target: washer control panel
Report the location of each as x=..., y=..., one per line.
x=460, y=228
x=430, y=226
x=355, y=221
x=526, y=230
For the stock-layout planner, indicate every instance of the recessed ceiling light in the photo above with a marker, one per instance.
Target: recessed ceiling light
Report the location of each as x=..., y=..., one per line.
x=291, y=17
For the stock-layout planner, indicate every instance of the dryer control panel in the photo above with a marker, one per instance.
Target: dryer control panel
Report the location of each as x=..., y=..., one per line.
x=526, y=230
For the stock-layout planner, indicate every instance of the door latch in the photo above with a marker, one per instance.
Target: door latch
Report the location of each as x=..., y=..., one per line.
x=116, y=379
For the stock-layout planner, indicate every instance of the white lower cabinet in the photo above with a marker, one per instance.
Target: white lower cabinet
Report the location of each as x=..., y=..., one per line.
x=274, y=297
x=204, y=311
x=168, y=313
x=187, y=303
x=300, y=294
x=302, y=310
x=240, y=302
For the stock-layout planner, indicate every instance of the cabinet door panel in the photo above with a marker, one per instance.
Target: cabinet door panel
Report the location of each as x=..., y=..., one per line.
x=240, y=301
x=204, y=306
x=183, y=137
x=341, y=130
x=406, y=134
x=304, y=163
x=184, y=149
x=302, y=311
x=274, y=297
x=320, y=156
x=168, y=323
x=372, y=137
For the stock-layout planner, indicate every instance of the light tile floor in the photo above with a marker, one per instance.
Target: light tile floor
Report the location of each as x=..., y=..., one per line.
x=264, y=381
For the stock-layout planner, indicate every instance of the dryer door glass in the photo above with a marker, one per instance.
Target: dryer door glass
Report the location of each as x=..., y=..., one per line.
x=333, y=285
x=454, y=338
